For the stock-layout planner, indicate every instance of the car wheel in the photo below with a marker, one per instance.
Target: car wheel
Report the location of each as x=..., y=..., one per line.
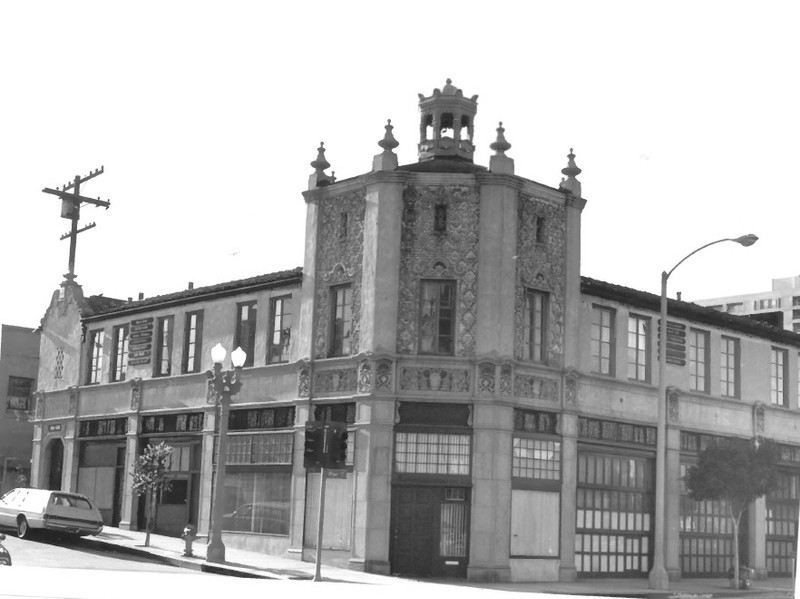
x=23, y=530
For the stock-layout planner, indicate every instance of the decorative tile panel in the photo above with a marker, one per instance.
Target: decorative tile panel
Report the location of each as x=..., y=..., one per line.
x=673, y=405
x=334, y=381
x=536, y=387
x=505, y=379
x=136, y=393
x=364, y=377
x=383, y=375
x=426, y=254
x=303, y=382
x=434, y=379
x=339, y=261
x=486, y=378
x=541, y=266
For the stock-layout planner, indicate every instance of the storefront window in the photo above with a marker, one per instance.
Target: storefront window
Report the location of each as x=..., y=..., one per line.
x=257, y=502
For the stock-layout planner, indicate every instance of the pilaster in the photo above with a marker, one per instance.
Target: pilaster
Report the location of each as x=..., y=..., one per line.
x=756, y=537
x=572, y=283
x=130, y=502
x=304, y=346
x=672, y=503
x=569, y=489
x=207, y=471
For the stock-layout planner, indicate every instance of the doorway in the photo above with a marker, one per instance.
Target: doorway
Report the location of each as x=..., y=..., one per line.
x=430, y=531
x=55, y=460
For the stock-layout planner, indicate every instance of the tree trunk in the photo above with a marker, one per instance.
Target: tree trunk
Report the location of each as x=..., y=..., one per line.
x=149, y=515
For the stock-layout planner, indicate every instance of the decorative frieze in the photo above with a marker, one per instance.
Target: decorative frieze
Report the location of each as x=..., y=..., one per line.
x=541, y=257
x=136, y=393
x=620, y=432
x=434, y=379
x=428, y=254
x=303, y=382
x=342, y=380
x=383, y=375
x=364, y=377
x=673, y=405
x=536, y=387
x=759, y=415
x=505, y=380
x=74, y=392
x=486, y=378
x=571, y=388
x=533, y=421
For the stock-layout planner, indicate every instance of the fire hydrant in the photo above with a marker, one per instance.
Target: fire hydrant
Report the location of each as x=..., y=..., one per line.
x=189, y=536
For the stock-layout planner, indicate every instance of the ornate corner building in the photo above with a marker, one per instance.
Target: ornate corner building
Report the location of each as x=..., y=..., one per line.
x=502, y=409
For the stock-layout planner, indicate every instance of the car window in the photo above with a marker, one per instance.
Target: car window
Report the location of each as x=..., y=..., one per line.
x=9, y=497
x=70, y=501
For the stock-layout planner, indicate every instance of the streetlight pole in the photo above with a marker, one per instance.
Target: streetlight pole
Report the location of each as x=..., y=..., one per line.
x=659, y=578
x=225, y=384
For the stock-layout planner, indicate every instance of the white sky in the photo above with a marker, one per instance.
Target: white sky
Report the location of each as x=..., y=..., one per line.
x=684, y=117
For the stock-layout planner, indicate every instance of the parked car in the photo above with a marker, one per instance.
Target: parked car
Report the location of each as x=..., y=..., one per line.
x=5, y=556
x=60, y=511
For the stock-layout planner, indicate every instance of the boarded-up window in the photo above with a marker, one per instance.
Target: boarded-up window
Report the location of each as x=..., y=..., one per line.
x=534, y=523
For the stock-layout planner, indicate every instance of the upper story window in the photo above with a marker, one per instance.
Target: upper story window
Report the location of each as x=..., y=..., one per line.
x=796, y=300
x=119, y=357
x=538, y=229
x=246, y=313
x=20, y=389
x=343, y=218
x=192, y=341
x=437, y=317
x=440, y=218
x=778, y=376
x=280, y=329
x=764, y=304
x=698, y=360
x=95, y=362
x=163, y=357
x=341, y=319
x=638, y=348
x=729, y=361
x=602, y=340
x=535, y=326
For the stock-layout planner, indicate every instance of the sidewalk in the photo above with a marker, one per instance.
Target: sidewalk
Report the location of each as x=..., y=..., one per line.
x=169, y=550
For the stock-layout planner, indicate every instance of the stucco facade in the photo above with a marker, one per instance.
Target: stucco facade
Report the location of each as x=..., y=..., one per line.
x=501, y=408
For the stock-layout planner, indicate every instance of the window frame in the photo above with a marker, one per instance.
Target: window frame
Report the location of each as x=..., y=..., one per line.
x=726, y=368
x=596, y=345
x=779, y=377
x=94, y=366
x=119, y=355
x=340, y=328
x=192, y=364
x=646, y=362
x=436, y=336
x=535, y=329
x=695, y=363
x=249, y=344
x=163, y=345
x=280, y=329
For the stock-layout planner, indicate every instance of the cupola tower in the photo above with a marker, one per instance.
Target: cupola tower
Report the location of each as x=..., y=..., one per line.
x=446, y=124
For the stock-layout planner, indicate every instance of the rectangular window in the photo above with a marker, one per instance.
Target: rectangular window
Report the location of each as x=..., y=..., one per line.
x=796, y=300
x=341, y=319
x=795, y=314
x=539, y=230
x=534, y=530
x=163, y=361
x=192, y=342
x=20, y=389
x=246, y=313
x=536, y=458
x=638, y=348
x=437, y=317
x=119, y=359
x=535, y=325
x=95, y=366
x=729, y=367
x=440, y=218
x=778, y=378
x=257, y=501
x=432, y=453
x=602, y=340
x=280, y=329
x=698, y=360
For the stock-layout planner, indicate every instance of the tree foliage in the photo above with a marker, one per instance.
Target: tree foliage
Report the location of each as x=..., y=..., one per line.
x=150, y=478
x=736, y=471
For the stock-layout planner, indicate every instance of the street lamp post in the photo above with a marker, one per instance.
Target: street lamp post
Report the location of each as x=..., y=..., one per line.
x=226, y=384
x=658, y=574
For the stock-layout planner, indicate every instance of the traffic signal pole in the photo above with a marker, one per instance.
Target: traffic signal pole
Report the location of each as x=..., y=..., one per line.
x=322, y=477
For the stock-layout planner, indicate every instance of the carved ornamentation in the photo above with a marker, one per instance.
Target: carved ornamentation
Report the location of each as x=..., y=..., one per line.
x=541, y=265
x=759, y=414
x=334, y=381
x=426, y=254
x=339, y=258
x=365, y=377
x=136, y=393
x=211, y=392
x=39, y=397
x=486, y=378
x=383, y=375
x=536, y=387
x=74, y=391
x=505, y=379
x=303, y=382
x=571, y=388
x=673, y=405
x=434, y=379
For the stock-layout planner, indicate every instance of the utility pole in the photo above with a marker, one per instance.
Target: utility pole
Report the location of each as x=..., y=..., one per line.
x=71, y=209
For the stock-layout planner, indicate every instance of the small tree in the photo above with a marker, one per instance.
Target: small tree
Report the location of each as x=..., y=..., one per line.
x=150, y=478
x=737, y=471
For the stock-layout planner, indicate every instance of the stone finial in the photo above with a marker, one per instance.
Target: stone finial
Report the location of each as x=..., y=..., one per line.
x=500, y=163
x=571, y=184
x=500, y=145
x=386, y=160
x=318, y=178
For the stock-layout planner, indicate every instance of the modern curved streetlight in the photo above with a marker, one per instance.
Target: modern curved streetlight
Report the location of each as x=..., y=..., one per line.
x=658, y=574
x=225, y=384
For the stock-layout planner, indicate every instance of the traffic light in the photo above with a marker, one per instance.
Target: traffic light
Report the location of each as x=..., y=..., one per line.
x=313, y=454
x=337, y=445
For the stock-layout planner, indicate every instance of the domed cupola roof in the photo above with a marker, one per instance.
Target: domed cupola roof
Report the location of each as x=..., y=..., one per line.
x=446, y=124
